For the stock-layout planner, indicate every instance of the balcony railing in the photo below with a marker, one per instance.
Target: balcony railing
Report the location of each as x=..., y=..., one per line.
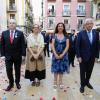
x=12, y=8
x=81, y=13
x=51, y=14
x=66, y=13
x=98, y=16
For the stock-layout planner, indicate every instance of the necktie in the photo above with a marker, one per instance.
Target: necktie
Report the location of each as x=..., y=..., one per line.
x=90, y=36
x=11, y=37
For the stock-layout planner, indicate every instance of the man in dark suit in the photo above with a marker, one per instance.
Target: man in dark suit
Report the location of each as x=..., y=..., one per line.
x=13, y=48
x=87, y=50
x=72, y=51
x=46, y=41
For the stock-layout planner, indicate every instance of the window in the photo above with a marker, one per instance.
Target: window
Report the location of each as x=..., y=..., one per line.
x=81, y=10
x=65, y=21
x=51, y=10
x=80, y=24
x=67, y=25
x=51, y=23
x=98, y=12
x=66, y=8
x=12, y=16
x=12, y=4
x=80, y=21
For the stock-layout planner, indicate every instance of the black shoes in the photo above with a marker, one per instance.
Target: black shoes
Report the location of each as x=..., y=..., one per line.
x=89, y=86
x=82, y=89
x=18, y=86
x=33, y=83
x=73, y=65
x=9, y=87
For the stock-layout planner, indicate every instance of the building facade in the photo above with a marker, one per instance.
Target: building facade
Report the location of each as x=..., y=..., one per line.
x=71, y=12
x=96, y=12
x=21, y=10
x=3, y=15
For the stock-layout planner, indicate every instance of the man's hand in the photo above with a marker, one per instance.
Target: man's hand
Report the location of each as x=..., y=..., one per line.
x=2, y=58
x=96, y=60
x=79, y=59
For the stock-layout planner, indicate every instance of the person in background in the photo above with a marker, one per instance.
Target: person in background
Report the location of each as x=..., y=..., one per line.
x=35, y=60
x=87, y=50
x=47, y=40
x=13, y=48
x=60, y=45
x=72, y=51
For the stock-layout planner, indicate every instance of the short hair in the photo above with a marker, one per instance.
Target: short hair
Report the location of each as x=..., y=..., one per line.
x=88, y=20
x=12, y=20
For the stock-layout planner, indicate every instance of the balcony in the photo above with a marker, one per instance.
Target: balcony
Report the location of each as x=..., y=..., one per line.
x=51, y=14
x=66, y=0
x=81, y=13
x=66, y=13
x=81, y=0
x=98, y=16
x=12, y=8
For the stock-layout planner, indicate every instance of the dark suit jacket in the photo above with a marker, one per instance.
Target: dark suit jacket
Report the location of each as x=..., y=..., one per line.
x=72, y=42
x=84, y=48
x=17, y=48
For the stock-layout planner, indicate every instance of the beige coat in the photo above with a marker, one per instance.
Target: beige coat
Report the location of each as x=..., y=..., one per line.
x=34, y=43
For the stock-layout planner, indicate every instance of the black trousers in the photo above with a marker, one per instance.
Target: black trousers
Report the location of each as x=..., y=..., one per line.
x=46, y=49
x=86, y=68
x=71, y=56
x=9, y=61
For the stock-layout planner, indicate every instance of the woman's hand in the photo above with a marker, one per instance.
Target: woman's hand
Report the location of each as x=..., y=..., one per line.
x=57, y=57
x=61, y=56
x=35, y=56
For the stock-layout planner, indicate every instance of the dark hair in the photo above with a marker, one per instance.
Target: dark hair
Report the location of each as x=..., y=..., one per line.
x=64, y=30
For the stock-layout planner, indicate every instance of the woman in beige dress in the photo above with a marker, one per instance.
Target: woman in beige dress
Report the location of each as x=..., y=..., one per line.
x=35, y=62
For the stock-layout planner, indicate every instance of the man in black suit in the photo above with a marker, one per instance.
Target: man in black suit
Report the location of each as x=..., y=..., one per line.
x=13, y=48
x=87, y=50
x=72, y=51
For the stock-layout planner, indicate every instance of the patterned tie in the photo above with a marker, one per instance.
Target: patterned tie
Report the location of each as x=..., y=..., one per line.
x=11, y=37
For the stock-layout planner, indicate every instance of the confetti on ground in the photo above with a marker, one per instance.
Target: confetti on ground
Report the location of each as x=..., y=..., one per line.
x=41, y=98
x=65, y=90
x=32, y=95
x=76, y=82
x=53, y=98
x=68, y=87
